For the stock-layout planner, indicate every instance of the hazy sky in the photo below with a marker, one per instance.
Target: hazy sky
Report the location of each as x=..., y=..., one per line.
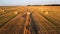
x=27, y=2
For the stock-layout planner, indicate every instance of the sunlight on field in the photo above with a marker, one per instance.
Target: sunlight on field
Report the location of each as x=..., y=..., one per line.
x=46, y=13
x=28, y=13
x=16, y=12
x=3, y=10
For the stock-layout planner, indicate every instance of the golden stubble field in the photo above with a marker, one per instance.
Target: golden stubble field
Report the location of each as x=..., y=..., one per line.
x=41, y=13
x=52, y=11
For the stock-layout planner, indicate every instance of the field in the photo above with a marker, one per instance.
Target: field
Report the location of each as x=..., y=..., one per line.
x=29, y=19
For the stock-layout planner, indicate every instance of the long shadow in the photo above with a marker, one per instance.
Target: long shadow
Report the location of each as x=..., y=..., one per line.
x=33, y=25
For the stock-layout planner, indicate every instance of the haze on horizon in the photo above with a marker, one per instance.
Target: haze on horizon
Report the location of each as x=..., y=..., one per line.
x=27, y=2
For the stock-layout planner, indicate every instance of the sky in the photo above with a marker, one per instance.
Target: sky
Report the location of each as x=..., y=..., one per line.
x=27, y=2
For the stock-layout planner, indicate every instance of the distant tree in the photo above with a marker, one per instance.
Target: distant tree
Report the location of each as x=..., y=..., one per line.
x=28, y=5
